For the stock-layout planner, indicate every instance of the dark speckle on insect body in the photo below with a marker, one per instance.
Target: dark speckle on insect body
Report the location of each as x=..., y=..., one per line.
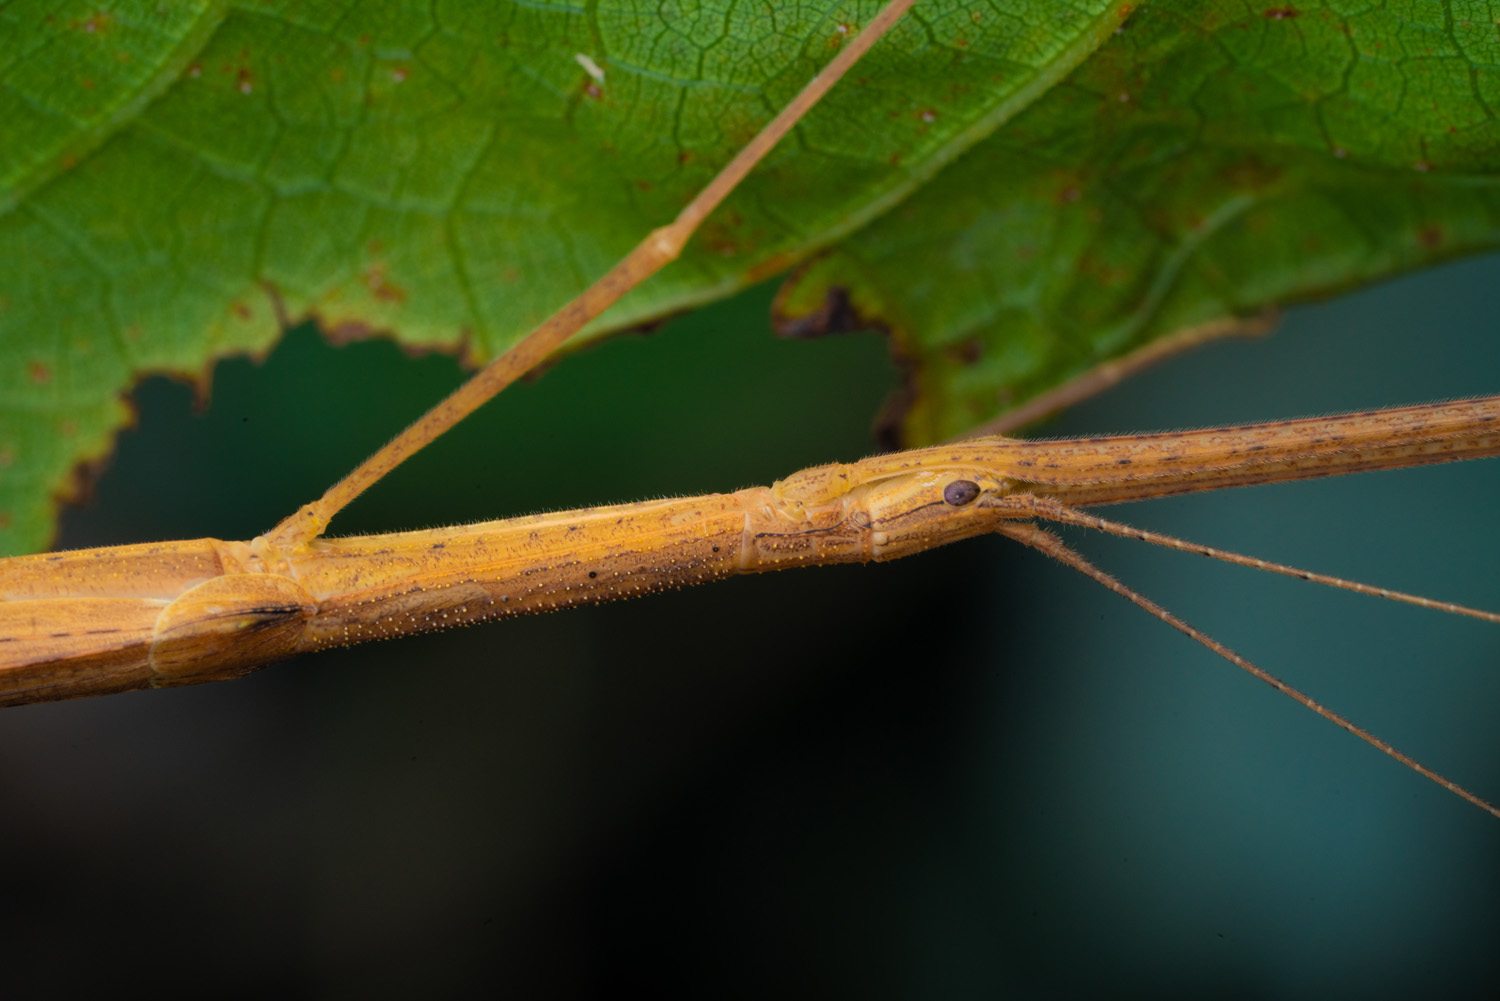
x=593, y=574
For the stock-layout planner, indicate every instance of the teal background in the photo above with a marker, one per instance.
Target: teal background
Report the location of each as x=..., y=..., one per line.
x=966, y=773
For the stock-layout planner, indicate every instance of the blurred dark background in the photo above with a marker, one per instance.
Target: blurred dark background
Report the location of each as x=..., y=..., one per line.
x=969, y=773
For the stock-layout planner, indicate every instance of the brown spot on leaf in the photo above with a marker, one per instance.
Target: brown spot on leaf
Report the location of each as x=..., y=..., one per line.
x=240, y=310
x=593, y=90
x=1279, y=13
x=1431, y=236
x=381, y=286
x=718, y=241
x=5, y=519
x=340, y=334
x=723, y=234
x=966, y=352
x=39, y=373
x=1104, y=272
x=244, y=80
x=1250, y=174
x=93, y=24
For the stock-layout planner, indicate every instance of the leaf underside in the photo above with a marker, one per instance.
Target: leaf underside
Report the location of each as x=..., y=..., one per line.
x=1018, y=193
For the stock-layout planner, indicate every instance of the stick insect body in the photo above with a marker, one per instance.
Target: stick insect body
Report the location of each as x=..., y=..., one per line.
x=109, y=620
x=155, y=615
x=121, y=618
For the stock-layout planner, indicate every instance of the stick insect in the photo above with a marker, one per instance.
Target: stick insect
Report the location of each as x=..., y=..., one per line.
x=169, y=614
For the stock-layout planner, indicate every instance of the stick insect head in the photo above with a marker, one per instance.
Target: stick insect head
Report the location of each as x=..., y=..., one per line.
x=910, y=511
x=878, y=509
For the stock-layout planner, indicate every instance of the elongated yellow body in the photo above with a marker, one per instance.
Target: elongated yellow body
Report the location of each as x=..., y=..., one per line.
x=91, y=622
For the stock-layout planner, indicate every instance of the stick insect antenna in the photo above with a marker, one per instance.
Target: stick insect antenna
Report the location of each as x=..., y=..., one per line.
x=1044, y=541
x=1052, y=510
x=659, y=248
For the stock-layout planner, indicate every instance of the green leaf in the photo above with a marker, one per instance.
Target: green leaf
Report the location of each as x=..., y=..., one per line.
x=453, y=172
x=1211, y=160
x=72, y=73
x=450, y=173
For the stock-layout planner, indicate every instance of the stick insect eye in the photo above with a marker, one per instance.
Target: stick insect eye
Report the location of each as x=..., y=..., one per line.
x=960, y=492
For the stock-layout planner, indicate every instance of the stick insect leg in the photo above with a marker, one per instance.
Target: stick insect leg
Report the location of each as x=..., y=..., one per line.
x=1046, y=507
x=659, y=248
x=1044, y=541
